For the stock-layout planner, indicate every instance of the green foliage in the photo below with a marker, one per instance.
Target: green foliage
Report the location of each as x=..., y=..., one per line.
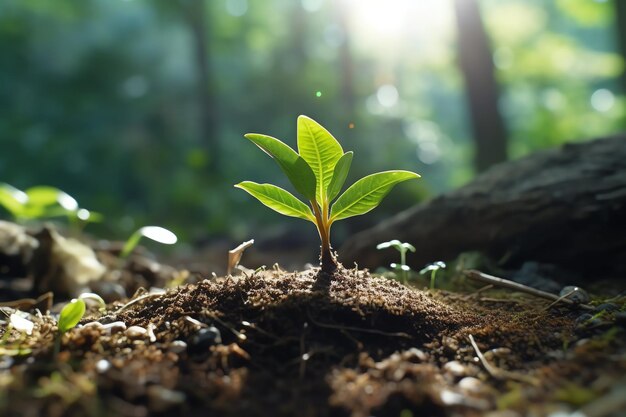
x=156, y=233
x=104, y=118
x=318, y=173
x=403, y=248
x=42, y=202
x=71, y=314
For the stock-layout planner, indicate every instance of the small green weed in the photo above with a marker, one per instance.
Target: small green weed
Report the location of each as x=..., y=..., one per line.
x=156, y=233
x=433, y=269
x=403, y=248
x=43, y=202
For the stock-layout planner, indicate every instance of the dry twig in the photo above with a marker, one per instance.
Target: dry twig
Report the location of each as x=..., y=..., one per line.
x=498, y=373
x=505, y=283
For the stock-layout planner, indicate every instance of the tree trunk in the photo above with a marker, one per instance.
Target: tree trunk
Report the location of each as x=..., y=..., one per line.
x=197, y=16
x=475, y=60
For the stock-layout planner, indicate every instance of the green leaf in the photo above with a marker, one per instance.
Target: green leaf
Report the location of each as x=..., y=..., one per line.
x=367, y=193
x=12, y=199
x=278, y=200
x=293, y=165
x=157, y=233
x=71, y=315
x=340, y=173
x=47, y=196
x=320, y=150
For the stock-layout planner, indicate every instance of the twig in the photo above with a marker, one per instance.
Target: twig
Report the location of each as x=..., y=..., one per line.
x=240, y=336
x=358, y=329
x=478, y=291
x=499, y=300
x=136, y=300
x=561, y=298
x=505, y=283
x=498, y=373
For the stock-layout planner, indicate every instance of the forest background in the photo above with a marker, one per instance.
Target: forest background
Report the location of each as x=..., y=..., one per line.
x=138, y=108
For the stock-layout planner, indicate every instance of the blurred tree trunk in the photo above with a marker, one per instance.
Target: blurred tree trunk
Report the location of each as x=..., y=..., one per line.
x=620, y=24
x=476, y=64
x=197, y=17
x=347, y=67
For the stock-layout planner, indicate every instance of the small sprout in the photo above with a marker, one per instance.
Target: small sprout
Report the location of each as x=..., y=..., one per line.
x=41, y=202
x=89, y=296
x=71, y=314
x=21, y=324
x=318, y=172
x=403, y=248
x=433, y=269
x=156, y=233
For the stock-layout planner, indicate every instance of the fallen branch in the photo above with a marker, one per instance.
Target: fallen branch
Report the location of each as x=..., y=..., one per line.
x=505, y=283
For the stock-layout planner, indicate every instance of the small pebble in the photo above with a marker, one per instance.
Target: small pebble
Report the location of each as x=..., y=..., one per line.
x=608, y=307
x=450, y=344
x=114, y=327
x=204, y=339
x=102, y=366
x=456, y=368
x=576, y=294
x=5, y=362
x=161, y=399
x=471, y=385
x=109, y=291
x=501, y=353
x=136, y=332
x=583, y=318
x=178, y=346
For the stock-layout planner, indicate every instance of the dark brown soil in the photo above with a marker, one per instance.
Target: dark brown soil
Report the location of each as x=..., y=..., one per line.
x=303, y=344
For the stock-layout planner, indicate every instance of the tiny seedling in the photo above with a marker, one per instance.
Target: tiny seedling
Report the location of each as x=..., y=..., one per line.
x=156, y=233
x=41, y=202
x=318, y=172
x=433, y=269
x=403, y=248
x=72, y=313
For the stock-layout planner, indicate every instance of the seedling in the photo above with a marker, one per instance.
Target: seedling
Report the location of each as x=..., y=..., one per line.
x=403, y=248
x=433, y=269
x=318, y=172
x=42, y=202
x=156, y=233
x=72, y=313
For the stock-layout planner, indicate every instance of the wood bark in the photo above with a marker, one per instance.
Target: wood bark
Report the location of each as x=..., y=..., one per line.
x=565, y=207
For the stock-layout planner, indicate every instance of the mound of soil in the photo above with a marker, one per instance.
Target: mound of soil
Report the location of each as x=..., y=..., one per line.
x=276, y=343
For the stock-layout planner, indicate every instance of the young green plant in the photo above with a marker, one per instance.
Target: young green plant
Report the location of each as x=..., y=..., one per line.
x=318, y=173
x=403, y=248
x=156, y=233
x=42, y=202
x=433, y=269
x=72, y=313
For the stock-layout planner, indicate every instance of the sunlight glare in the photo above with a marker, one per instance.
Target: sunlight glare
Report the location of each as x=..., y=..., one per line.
x=386, y=20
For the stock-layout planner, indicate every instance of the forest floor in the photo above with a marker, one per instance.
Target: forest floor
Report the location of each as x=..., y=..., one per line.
x=278, y=343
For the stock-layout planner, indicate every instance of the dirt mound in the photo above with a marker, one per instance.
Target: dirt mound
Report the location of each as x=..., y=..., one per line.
x=276, y=343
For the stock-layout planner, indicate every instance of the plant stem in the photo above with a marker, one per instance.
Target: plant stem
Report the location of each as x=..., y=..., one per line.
x=328, y=263
x=402, y=263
